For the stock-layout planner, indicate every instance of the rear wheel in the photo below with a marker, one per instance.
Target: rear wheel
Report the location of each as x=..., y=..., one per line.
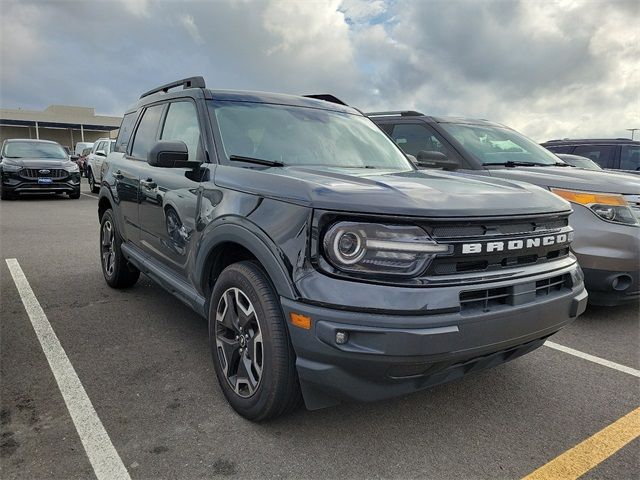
x=92, y=182
x=117, y=272
x=252, y=354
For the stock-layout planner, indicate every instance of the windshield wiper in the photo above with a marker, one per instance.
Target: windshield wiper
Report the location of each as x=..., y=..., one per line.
x=257, y=161
x=512, y=164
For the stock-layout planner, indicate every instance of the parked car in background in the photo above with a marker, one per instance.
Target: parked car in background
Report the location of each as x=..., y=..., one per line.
x=101, y=148
x=616, y=154
x=606, y=206
x=327, y=265
x=36, y=166
x=81, y=160
x=578, y=161
x=80, y=146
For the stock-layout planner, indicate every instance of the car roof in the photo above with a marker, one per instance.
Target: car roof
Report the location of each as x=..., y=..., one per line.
x=245, y=96
x=583, y=141
x=410, y=114
x=33, y=140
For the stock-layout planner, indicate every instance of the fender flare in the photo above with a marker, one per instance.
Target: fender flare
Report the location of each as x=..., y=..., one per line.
x=253, y=239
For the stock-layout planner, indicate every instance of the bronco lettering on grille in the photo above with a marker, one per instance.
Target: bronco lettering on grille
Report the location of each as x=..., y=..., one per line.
x=510, y=245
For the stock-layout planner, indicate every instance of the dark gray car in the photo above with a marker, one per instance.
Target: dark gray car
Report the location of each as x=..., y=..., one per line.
x=37, y=166
x=606, y=205
x=327, y=265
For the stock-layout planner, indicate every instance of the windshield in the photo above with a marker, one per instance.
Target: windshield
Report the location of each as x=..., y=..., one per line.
x=580, y=162
x=493, y=145
x=34, y=150
x=305, y=136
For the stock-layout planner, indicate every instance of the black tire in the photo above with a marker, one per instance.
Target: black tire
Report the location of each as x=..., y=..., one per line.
x=277, y=391
x=75, y=195
x=92, y=182
x=118, y=273
x=4, y=195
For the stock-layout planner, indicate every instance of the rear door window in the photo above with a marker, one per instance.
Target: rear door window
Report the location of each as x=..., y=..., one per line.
x=630, y=157
x=147, y=132
x=601, y=154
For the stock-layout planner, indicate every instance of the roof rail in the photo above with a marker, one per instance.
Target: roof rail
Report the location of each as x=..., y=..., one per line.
x=191, y=82
x=327, y=97
x=401, y=113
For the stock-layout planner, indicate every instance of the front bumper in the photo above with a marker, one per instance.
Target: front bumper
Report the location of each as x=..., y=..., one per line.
x=609, y=254
x=388, y=355
x=15, y=185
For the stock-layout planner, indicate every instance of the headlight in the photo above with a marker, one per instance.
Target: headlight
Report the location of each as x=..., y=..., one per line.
x=376, y=249
x=73, y=168
x=10, y=167
x=608, y=206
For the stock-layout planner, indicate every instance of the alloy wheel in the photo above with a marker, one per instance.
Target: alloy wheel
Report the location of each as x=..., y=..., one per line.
x=239, y=342
x=108, y=248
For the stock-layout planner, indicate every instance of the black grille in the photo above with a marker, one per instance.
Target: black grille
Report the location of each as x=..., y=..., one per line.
x=483, y=231
x=35, y=173
x=489, y=298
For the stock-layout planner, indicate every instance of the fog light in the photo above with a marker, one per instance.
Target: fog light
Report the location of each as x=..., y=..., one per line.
x=342, y=337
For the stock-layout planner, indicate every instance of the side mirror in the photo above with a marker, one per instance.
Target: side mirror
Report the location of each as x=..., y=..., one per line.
x=433, y=159
x=170, y=155
x=101, y=153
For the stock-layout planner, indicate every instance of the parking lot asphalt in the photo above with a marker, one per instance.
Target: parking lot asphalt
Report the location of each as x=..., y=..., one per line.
x=143, y=359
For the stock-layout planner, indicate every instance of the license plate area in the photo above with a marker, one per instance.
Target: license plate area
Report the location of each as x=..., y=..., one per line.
x=45, y=180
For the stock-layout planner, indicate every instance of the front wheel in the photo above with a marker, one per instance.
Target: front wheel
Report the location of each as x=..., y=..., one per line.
x=252, y=354
x=117, y=272
x=92, y=183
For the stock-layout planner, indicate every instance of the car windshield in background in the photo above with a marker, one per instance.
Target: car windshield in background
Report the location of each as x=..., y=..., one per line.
x=33, y=150
x=494, y=145
x=580, y=162
x=304, y=136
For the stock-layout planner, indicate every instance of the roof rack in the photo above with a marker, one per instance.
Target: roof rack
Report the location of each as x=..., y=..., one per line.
x=327, y=97
x=191, y=82
x=401, y=113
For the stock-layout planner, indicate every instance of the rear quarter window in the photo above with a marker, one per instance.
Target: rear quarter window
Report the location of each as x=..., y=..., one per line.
x=124, y=134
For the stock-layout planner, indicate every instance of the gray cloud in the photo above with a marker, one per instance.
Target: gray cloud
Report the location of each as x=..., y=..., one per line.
x=549, y=69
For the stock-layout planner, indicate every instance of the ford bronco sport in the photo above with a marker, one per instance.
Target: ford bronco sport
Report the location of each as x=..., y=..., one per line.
x=606, y=206
x=329, y=268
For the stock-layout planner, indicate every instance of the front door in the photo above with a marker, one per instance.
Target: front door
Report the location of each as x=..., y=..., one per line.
x=169, y=196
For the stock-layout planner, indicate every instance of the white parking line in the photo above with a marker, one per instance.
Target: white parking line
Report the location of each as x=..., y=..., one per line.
x=104, y=459
x=87, y=195
x=594, y=359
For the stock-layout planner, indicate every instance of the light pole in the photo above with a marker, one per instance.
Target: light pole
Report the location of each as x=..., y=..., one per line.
x=633, y=131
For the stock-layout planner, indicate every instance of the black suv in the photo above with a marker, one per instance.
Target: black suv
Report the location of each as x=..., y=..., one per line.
x=327, y=265
x=617, y=154
x=37, y=166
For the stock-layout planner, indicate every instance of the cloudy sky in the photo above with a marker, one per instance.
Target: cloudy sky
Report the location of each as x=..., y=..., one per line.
x=551, y=68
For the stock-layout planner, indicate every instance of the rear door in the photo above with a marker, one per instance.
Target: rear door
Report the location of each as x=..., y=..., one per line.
x=126, y=172
x=169, y=196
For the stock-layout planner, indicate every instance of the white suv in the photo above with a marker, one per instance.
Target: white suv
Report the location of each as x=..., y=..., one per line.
x=101, y=148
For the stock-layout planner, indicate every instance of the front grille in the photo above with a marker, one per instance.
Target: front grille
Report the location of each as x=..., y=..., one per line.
x=489, y=298
x=481, y=232
x=34, y=173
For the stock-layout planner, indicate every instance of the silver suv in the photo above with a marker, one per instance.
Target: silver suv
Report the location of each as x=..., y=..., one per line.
x=101, y=148
x=606, y=206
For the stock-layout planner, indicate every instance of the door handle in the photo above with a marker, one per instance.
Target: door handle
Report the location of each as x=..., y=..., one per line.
x=118, y=174
x=148, y=183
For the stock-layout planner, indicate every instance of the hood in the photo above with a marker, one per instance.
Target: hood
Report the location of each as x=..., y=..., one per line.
x=411, y=193
x=572, y=178
x=39, y=162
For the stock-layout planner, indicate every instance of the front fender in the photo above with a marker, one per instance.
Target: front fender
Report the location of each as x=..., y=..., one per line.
x=244, y=233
